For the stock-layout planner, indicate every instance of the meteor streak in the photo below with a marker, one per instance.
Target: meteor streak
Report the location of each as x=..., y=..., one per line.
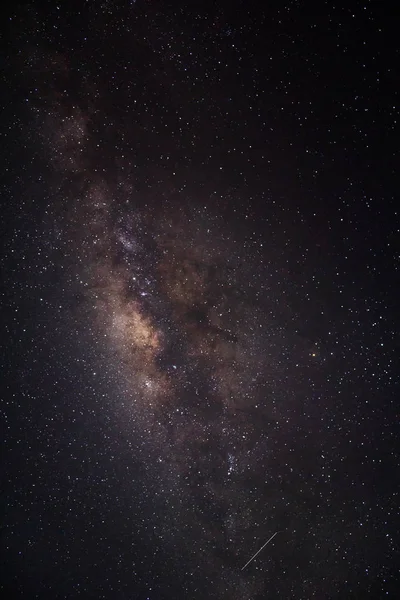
x=258, y=551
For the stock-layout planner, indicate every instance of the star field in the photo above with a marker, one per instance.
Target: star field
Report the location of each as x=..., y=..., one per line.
x=199, y=327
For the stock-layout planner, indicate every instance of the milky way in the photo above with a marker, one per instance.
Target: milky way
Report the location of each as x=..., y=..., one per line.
x=186, y=310
x=200, y=325
x=198, y=318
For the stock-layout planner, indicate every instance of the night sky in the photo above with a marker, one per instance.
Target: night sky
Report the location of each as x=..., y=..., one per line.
x=200, y=276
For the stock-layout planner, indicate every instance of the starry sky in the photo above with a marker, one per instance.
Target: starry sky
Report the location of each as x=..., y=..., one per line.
x=200, y=266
